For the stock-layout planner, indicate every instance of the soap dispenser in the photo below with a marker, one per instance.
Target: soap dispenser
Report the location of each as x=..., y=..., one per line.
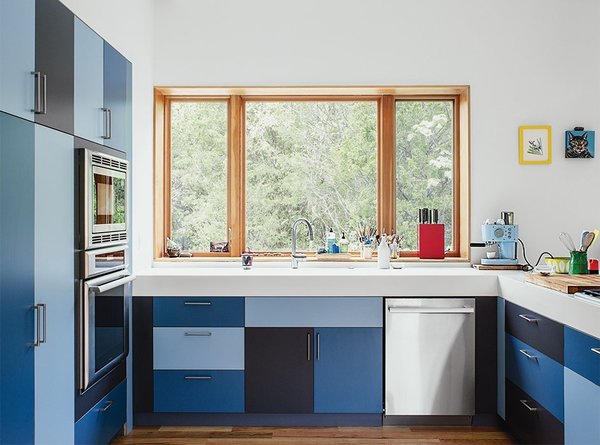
x=331, y=239
x=383, y=253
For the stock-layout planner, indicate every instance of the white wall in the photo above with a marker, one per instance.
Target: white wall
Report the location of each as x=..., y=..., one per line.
x=528, y=62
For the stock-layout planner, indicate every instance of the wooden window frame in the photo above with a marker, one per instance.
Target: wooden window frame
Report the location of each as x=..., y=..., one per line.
x=237, y=97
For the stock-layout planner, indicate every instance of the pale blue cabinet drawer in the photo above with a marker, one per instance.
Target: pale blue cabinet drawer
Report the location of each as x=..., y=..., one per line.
x=330, y=312
x=199, y=391
x=199, y=348
x=582, y=410
x=582, y=354
x=536, y=374
x=100, y=424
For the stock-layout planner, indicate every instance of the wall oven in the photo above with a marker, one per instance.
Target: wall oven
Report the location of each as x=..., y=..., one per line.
x=104, y=199
x=103, y=313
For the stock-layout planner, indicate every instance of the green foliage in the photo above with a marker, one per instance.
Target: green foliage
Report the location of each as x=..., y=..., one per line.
x=423, y=165
x=307, y=159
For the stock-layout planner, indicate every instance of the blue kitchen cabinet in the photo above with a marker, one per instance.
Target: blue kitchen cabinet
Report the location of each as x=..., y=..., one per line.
x=198, y=311
x=17, y=294
x=582, y=410
x=90, y=119
x=582, y=354
x=104, y=421
x=17, y=57
x=348, y=370
x=36, y=283
x=117, y=99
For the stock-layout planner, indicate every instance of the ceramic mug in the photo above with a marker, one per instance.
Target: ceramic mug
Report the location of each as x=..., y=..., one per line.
x=559, y=264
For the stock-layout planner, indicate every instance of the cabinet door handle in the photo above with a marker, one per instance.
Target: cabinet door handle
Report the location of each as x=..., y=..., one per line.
x=43, y=306
x=527, y=354
x=528, y=319
x=596, y=350
x=308, y=346
x=198, y=334
x=107, y=123
x=38, y=321
x=44, y=94
x=37, y=93
x=107, y=406
x=526, y=405
x=109, y=136
x=318, y=346
x=197, y=303
x=197, y=377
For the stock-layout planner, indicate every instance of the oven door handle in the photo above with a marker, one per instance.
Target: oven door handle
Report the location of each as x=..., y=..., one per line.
x=112, y=284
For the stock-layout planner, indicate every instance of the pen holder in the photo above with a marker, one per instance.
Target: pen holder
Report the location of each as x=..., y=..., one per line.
x=579, y=263
x=431, y=241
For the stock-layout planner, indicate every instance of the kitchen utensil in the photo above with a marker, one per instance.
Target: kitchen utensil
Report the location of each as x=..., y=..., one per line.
x=596, y=235
x=583, y=237
x=587, y=240
x=567, y=241
x=559, y=264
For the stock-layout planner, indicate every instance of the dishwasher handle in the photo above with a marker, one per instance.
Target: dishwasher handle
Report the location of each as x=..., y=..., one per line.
x=430, y=310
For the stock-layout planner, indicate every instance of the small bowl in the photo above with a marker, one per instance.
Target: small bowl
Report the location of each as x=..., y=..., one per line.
x=491, y=255
x=559, y=264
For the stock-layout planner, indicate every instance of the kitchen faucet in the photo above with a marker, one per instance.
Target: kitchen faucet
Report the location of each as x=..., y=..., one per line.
x=297, y=257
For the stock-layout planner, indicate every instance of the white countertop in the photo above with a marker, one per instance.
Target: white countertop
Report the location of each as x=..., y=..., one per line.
x=350, y=280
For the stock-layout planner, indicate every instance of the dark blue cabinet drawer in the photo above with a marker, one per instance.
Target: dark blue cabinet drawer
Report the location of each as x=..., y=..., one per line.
x=536, y=330
x=100, y=424
x=536, y=374
x=199, y=391
x=582, y=354
x=198, y=311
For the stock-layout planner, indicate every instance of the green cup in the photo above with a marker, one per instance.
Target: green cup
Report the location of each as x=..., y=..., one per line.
x=579, y=263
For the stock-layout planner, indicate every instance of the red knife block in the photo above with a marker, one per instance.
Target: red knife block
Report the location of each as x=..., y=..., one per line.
x=431, y=241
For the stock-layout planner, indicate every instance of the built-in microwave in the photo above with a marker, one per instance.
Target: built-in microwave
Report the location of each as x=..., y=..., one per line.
x=105, y=202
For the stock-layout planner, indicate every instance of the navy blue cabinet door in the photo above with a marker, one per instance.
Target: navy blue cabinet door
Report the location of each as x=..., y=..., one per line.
x=348, y=370
x=54, y=60
x=17, y=140
x=279, y=370
x=117, y=99
x=89, y=84
x=17, y=57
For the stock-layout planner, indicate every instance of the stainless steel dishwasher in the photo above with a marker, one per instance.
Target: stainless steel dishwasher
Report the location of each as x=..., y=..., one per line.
x=429, y=357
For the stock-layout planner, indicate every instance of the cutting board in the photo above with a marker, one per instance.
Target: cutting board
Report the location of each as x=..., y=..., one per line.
x=568, y=284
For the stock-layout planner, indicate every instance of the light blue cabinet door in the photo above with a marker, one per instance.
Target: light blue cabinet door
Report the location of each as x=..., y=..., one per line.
x=117, y=98
x=54, y=285
x=89, y=83
x=17, y=57
x=348, y=370
x=582, y=410
x=16, y=280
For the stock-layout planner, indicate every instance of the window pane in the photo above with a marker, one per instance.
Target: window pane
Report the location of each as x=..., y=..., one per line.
x=198, y=173
x=424, y=160
x=309, y=159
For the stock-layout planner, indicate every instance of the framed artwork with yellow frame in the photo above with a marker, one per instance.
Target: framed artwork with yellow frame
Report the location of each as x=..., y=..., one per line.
x=535, y=144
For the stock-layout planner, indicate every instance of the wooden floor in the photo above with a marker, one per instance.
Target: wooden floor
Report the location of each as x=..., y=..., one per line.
x=305, y=436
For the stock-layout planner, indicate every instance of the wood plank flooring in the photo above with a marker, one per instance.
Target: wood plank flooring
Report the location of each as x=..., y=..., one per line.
x=318, y=435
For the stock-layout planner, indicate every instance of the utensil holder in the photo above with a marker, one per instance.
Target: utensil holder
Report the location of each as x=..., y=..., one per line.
x=431, y=241
x=579, y=263
x=366, y=251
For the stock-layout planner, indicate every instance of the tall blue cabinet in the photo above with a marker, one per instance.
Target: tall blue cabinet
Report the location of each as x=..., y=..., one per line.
x=58, y=78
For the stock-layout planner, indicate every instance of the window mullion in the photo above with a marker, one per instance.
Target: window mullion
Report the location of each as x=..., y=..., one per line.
x=235, y=178
x=386, y=166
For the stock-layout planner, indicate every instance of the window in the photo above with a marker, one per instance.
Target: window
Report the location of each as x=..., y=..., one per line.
x=240, y=165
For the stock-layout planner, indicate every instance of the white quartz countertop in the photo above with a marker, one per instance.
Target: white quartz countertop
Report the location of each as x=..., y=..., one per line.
x=347, y=281
x=364, y=281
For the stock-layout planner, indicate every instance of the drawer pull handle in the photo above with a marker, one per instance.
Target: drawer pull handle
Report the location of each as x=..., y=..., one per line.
x=528, y=319
x=198, y=334
x=596, y=350
x=197, y=303
x=308, y=346
x=526, y=405
x=527, y=354
x=108, y=405
x=198, y=377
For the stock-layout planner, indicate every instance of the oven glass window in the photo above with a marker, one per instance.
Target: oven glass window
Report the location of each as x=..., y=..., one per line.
x=109, y=198
x=109, y=326
x=109, y=260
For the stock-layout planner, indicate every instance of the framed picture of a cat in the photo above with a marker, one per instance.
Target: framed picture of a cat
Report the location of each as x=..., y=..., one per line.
x=580, y=143
x=535, y=144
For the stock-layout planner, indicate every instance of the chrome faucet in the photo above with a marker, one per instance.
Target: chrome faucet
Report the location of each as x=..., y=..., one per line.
x=297, y=257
